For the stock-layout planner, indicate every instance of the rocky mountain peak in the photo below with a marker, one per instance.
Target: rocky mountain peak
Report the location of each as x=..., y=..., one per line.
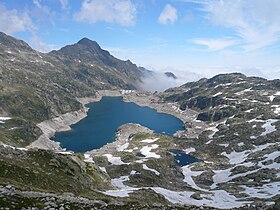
x=89, y=43
x=88, y=51
x=92, y=46
x=85, y=50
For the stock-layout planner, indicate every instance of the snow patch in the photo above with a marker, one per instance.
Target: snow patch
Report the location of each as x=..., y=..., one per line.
x=88, y=158
x=240, y=144
x=266, y=191
x=189, y=150
x=150, y=140
x=274, y=96
x=12, y=147
x=21, y=148
x=150, y=169
x=236, y=157
x=123, y=190
x=115, y=160
x=216, y=199
x=208, y=142
x=222, y=85
x=255, y=120
x=276, y=109
x=214, y=129
x=269, y=128
x=188, y=173
x=3, y=119
x=146, y=151
x=103, y=169
x=224, y=145
x=249, y=110
x=217, y=94
x=142, y=160
x=244, y=91
x=271, y=97
x=122, y=147
x=66, y=152
x=13, y=128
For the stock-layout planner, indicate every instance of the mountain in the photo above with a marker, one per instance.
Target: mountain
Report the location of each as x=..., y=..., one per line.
x=231, y=128
x=232, y=132
x=90, y=53
x=36, y=86
x=236, y=130
x=170, y=75
x=225, y=94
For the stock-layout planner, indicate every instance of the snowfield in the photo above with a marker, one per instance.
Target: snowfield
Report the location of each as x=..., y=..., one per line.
x=114, y=160
x=146, y=151
x=3, y=119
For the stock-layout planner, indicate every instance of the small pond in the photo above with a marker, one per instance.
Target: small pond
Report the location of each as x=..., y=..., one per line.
x=182, y=158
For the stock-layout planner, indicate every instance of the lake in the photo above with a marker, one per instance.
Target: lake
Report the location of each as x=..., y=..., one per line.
x=182, y=158
x=105, y=116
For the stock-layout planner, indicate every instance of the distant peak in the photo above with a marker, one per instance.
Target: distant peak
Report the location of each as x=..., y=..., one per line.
x=170, y=75
x=88, y=42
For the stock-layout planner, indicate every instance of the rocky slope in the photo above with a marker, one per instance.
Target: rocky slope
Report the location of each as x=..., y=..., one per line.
x=237, y=144
x=35, y=87
x=232, y=134
x=240, y=143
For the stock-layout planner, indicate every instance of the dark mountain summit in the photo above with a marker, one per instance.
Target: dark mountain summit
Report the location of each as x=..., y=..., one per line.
x=170, y=75
x=91, y=53
x=83, y=50
x=87, y=42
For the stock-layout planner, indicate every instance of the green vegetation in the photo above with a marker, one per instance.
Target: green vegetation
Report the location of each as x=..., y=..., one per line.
x=50, y=172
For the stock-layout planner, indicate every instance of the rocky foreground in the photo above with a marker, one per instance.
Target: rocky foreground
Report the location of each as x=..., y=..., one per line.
x=232, y=128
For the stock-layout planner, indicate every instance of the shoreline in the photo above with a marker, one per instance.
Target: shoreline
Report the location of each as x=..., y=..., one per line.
x=122, y=137
x=63, y=122
x=57, y=124
x=192, y=127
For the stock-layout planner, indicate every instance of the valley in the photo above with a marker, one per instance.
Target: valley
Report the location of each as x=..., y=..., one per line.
x=231, y=129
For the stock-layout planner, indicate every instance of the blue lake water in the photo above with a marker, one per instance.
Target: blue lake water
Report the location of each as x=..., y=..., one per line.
x=105, y=116
x=182, y=158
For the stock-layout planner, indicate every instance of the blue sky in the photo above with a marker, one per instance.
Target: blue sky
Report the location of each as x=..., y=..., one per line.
x=204, y=37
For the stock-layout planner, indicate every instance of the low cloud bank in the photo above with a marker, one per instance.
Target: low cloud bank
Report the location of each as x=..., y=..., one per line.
x=159, y=81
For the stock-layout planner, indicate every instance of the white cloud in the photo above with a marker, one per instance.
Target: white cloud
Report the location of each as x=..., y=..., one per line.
x=37, y=3
x=255, y=22
x=37, y=44
x=215, y=44
x=12, y=21
x=160, y=82
x=168, y=15
x=122, y=12
x=43, y=13
x=64, y=3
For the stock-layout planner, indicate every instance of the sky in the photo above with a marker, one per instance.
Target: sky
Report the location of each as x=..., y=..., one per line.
x=188, y=37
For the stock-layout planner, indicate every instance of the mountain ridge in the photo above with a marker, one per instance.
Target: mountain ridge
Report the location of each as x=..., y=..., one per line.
x=38, y=86
x=232, y=125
